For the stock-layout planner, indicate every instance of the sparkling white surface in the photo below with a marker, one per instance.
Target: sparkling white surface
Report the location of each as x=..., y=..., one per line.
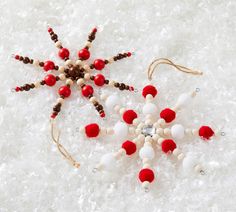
x=199, y=34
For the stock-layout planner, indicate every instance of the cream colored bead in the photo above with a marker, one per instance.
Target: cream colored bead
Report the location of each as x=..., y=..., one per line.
x=60, y=100
x=148, y=122
x=141, y=137
x=149, y=98
x=155, y=137
x=80, y=82
x=117, y=108
x=36, y=62
x=160, y=140
x=111, y=60
x=62, y=76
x=176, y=152
x=122, y=151
x=161, y=122
x=111, y=82
x=103, y=96
x=159, y=131
x=69, y=82
x=140, y=126
x=146, y=165
x=146, y=160
x=103, y=131
x=146, y=186
x=188, y=132
x=131, y=130
x=93, y=99
x=198, y=168
x=147, y=144
x=136, y=122
x=61, y=69
x=88, y=44
x=69, y=62
x=167, y=132
x=37, y=84
x=86, y=67
x=148, y=139
x=110, y=131
x=58, y=44
x=79, y=62
x=87, y=76
x=194, y=132
x=122, y=110
x=138, y=131
x=156, y=125
x=180, y=156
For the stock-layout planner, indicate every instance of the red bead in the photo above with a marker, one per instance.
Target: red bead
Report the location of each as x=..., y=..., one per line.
x=87, y=90
x=102, y=115
x=48, y=65
x=149, y=89
x=63, y=53
x=131, y=88
x=50, y=80
x=129, y=54
x=99, y=64
x=53, y=116
x=84, y=54
x=17, y=89
x=129, y=116
x=168, y=145
x=17, y=57
x=129, y=147
x=99, y=80
x=49, y=29
x=206, y=132
x=146, y=175
x=92, y=130
x=168, y=115
x=64, y=91
x=94, y=30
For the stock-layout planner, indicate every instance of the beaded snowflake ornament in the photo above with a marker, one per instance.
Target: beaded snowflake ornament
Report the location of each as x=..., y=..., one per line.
x=74, y=72
x=149, y=130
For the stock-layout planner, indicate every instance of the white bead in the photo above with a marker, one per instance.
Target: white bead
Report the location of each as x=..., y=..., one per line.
x=36, y=62
x=150, y=108
x=177, y=131
x=61, y=69
x=108, y=161
x=121, y=130
x=183, y=99
x=146, y=152
x=87, y=76
x=80, y=81
x=58, y=44
x=86, y=67
x=69, y=62
x=69, y=82
x=62, y=76
x=189, y=162
x=149, y=98
x=112, y=101
x=78, y=62
x=180, y=156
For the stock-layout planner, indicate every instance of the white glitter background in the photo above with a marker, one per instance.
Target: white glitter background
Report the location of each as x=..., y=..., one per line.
x=198, y=34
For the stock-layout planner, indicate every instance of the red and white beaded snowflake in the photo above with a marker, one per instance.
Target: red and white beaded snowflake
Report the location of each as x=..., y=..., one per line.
x=147, y=133
x=78, y=72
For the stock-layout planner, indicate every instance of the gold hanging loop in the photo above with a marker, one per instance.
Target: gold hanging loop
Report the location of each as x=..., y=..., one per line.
x=166, y=61
x=60, y=147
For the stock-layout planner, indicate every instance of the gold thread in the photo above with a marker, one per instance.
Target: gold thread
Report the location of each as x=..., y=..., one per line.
x=61, y=148
x=166, y=61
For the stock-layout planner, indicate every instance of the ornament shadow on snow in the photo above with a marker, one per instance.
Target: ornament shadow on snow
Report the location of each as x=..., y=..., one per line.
x=73, y=72
x=149, y=132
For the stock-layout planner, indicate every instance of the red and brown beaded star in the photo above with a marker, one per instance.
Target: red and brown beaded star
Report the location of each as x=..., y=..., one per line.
x=78, y=72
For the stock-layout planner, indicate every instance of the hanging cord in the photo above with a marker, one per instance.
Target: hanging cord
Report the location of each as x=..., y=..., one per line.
x=166, y=61
x=60, y=147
